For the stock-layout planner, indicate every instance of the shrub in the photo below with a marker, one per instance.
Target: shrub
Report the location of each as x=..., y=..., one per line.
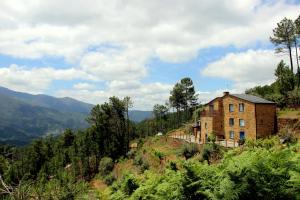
x=106, y=165
x=287, y=136
x=211, y=152
x=189, y=150
x=145, y=165
x=159, y=155
x=131, y=154
x=125, y=187
x=141, y=163
x=207, y=151
x=138, y=160
x=212, y=138
x=173, y=166
x=109, y=179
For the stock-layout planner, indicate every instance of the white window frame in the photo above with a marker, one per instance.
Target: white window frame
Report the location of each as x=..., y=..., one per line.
x=231, y=134
x=243, y=106
x=242, y=120
x=231, y=107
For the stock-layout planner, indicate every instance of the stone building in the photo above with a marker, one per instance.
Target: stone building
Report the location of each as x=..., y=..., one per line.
x=237, y=116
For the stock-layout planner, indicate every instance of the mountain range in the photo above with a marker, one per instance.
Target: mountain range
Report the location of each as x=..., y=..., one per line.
x=24, y=117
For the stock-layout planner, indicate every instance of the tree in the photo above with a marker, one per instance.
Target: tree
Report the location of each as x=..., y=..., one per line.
x=159, y=112
x=177, y=99
x=190, y=99
x=285, y=78
x=297, y=36
x=128, y=103
x=283, y=37
x=108, y=128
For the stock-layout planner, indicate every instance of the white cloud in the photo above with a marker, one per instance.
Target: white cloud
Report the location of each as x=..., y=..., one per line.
x=173, y=30
x=84, y=86
x=36, y=80
x=245, y=69
x=144, y=95
x=124, y=64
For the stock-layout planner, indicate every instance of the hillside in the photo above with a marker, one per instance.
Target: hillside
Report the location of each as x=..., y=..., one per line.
x=20, y=122
x=138, y=115
x=158, y=170
x=24, y=116
x=65, y=104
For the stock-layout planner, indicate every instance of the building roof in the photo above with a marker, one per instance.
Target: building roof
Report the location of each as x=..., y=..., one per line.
x=251, y=98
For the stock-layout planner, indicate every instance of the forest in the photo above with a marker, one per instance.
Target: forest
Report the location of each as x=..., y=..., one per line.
x=63, y=167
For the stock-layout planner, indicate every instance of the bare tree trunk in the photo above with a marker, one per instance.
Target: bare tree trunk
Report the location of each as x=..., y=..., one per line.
x=291, y=58
x=297, y=59
x=291, y=62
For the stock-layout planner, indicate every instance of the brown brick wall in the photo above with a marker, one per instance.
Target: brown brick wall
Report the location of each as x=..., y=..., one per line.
x=218, y=126
x=259, y=119
x=266, y=120
x=213, y=119
x=208, y=129
x=248, y=115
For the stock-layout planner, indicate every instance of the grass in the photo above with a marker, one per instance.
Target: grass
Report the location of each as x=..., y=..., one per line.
x=157, y=151
x=289, y=113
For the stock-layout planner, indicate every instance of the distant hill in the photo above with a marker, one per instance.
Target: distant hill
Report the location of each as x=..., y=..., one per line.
x=65, y=104
x=138, y=115
x=24, y=116
x=20, y=122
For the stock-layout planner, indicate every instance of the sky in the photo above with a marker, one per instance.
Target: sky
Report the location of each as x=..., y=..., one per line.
x=90, y=50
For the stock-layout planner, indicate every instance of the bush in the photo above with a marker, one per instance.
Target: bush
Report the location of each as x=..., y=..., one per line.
x=211, y=152
x=144, y=166
x=173, y=166
x=287, y=136
x=125, y=187
x=131, y=154
x=265, y=172
x=106, y=165
x=141, y=163
x=109, y=179
x=62, y=187
x=212, y=138
x=189, y=150
x=159, y=155
x=138, y=160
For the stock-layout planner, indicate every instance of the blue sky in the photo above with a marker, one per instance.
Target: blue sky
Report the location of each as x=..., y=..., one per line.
x=94, y=50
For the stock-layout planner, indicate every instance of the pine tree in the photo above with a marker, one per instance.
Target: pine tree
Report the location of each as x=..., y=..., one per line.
x=283, y=38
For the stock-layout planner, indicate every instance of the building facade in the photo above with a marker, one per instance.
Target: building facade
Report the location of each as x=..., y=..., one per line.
x=237, y=116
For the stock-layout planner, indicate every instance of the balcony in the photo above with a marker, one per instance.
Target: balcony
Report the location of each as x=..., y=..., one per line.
x=210, y=113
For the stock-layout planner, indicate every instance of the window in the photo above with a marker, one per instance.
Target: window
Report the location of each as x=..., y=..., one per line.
x=231, y=108
x=211, y=107
x=242, y=135
x=205, y=125
x=231, y=121
x=231, y=134
x=241, y=107
x=242, y=122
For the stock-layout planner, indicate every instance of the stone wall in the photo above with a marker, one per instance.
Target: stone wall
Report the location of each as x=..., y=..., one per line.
x=218, y=119
x=206, y=129
x=248, y=116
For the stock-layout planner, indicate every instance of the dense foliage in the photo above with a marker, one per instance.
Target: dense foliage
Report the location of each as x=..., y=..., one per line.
x=259, y=170
x=69, y=158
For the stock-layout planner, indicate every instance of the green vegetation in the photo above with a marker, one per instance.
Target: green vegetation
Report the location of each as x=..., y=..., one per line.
x=259, y=170
x=285, y=91
x=97, y=163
